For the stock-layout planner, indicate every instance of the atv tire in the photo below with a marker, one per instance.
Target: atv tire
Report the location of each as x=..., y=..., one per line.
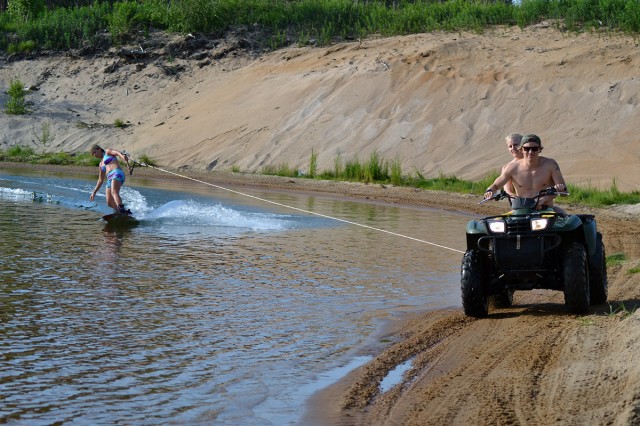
x=598, y=283
x=576, y=278
x=475, y=301
x=504, y=299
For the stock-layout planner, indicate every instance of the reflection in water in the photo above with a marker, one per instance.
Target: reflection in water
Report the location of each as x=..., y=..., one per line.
x=189, y=321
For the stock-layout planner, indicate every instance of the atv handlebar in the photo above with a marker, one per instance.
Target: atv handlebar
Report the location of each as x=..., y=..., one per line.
x=501, y=195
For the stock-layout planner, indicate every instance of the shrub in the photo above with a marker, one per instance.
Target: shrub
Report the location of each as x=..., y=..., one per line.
x=16, y=103
x=313, y=164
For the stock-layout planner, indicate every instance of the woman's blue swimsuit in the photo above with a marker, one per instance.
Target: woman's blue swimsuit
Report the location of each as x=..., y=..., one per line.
x=116, y=174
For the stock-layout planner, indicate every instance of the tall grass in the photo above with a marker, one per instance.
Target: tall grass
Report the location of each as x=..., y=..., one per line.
x=20, y=154
x=379, y=170
x=285, y=21
x=606, y=197
x=313, y=164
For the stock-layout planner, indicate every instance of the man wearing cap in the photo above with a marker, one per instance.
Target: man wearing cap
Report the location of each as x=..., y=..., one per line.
x=531, y=174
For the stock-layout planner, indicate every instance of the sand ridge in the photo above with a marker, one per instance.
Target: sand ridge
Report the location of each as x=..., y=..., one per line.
x=440, y=103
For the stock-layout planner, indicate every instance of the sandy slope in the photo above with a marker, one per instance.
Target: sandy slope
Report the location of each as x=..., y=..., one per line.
x=440, y=103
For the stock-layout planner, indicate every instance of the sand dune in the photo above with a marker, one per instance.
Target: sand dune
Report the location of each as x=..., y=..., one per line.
x=440, y=103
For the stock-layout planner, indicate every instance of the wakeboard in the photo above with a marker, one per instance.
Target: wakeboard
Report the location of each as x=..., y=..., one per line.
x=122, y=219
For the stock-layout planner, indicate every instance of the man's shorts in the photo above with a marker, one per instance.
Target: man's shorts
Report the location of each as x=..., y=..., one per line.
x=116, y=174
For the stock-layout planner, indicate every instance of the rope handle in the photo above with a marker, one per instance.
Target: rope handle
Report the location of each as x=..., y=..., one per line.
x=133, y=163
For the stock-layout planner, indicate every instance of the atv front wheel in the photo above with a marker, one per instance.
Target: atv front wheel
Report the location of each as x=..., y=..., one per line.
x=475, y=301
x=598, y=283
x=576, y=278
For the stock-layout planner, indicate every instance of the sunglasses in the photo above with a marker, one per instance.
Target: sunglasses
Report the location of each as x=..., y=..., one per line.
x=531, y=148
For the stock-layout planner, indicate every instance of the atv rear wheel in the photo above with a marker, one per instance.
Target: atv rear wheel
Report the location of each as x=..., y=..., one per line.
x=475, y=301
x=598, y=283
x=576, y=278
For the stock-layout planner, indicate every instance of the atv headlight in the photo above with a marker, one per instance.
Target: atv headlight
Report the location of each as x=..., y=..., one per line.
x=497, y=226
x=539, y=224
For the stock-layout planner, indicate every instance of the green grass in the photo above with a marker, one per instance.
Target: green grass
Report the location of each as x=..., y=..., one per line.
x=282, y=169
x=313, y=164
x=621, y=310
x=634, y=270
x=146, y=160
x=20, y=154
x=598, y=197
x=379, y=170
x=616, y=259
x=285, y=22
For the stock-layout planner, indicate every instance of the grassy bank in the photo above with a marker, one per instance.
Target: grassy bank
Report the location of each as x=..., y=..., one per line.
x=29, y=25
x=373, y=170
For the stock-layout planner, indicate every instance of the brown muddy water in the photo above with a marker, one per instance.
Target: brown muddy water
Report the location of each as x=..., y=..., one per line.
x=215, y=308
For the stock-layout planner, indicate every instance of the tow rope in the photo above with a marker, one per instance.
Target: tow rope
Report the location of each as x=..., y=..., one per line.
x=141, y=164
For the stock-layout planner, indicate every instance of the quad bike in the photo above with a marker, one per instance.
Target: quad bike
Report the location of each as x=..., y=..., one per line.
x=528, y=249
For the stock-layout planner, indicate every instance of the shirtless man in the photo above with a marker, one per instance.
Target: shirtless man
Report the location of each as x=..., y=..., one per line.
x=531, y=174
x=513, y=145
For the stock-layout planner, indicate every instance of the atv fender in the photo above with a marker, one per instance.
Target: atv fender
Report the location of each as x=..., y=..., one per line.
x=590, y=232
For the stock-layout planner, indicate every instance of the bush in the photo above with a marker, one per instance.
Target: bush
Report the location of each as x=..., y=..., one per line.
x=16, y=103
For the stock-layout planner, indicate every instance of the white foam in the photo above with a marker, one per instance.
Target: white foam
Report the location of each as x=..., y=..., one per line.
x=191, y=213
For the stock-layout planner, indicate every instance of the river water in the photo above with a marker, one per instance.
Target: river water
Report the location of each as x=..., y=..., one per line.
x=216, y=308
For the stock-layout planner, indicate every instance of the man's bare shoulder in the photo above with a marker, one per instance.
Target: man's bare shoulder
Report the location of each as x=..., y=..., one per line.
x=549, y=163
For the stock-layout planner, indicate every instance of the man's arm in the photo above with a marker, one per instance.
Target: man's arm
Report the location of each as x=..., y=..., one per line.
x=509, y=187
x=500, y=181
x=558, y=179
x=558, y=182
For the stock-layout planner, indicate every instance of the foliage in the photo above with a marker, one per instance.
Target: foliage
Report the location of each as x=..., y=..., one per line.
x=622, y=310
x=24, y=10
x=16, y=103
x=19, y=151
x=280, y=170
x=21, y=154
x=396, y=172
x=21, y=47
x=66, y=28
x=379, y=170
x=313, y=164
x=596, y=197
x=308, y=21
x=616, y=259
x=146, y=160
x=45, y=137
